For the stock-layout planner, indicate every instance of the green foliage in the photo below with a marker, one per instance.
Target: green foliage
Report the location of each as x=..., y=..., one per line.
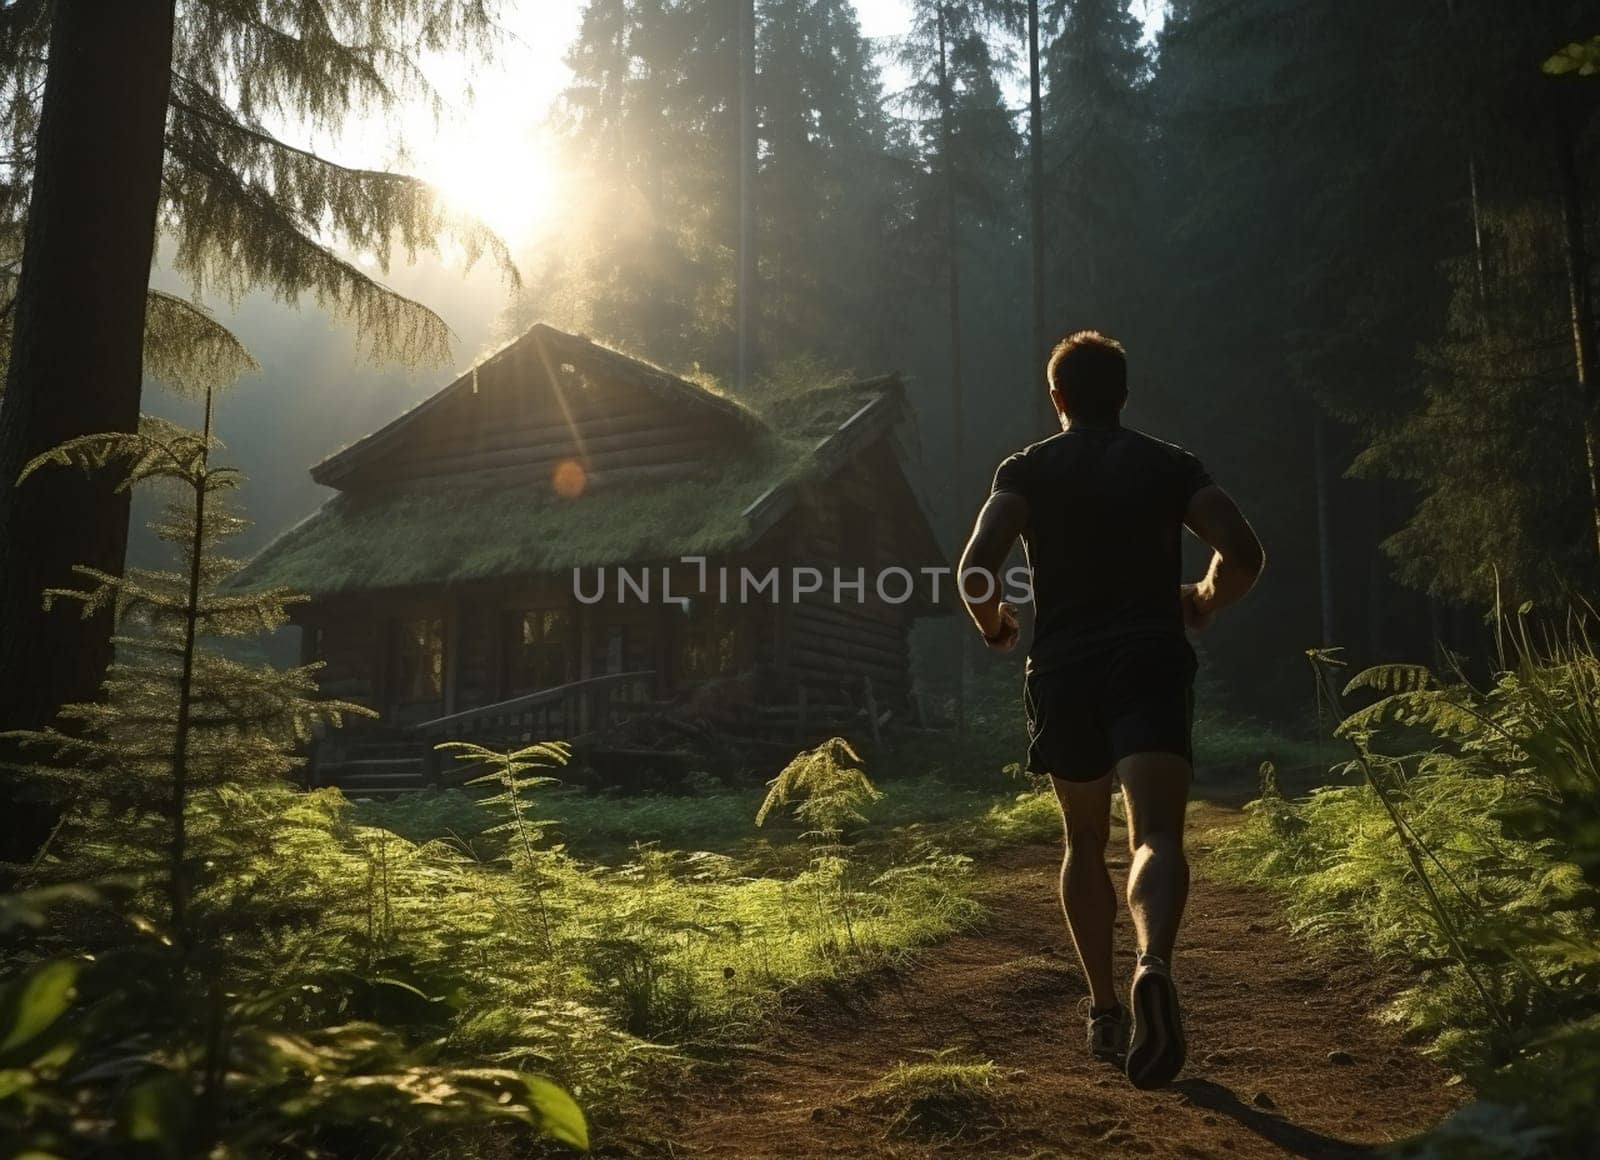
x=829, y=789
x=1494, y=445
x=607, y=827
x=244, y=205
x=1580, y=57
x=829, y=785
x=651, y=118
x=946, y=1096
x=228, y=985
x=1100, y=183
x=1031, y=816
x=1477, y=860
x=509, y=773
x=605, y=975
x=189, y=350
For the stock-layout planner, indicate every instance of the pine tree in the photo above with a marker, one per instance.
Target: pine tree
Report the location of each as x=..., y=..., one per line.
x=1494, y=448
x=1099, y=131
x=963, y=211
x=650, y=119
x=158, y=112
x=963, y=214
x=826, y=188
x=1367, y=265
x=1303, y=210
x=1037, y=242
x=1491, y=433
x=651, y=124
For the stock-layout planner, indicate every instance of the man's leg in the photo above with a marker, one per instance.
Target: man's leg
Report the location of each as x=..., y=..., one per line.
x=1087, y=895
x=1155, y=789
x=1155, y=792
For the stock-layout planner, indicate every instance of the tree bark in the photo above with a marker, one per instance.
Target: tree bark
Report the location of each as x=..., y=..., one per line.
x=952, y=241
x=77, y=352
x=1377, y=578
x=1480, y=267
x=1579, y=301
x=1320, y=467
x=747, y=181
x=1040, y=405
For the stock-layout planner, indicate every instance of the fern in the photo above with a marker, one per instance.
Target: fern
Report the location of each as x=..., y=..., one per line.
x=831, y=791
x=829, y=785
x=509, y=771
x=1393, y=678
x=1477, y=859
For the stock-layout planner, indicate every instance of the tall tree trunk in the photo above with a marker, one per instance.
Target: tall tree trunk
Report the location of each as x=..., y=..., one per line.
x=952, y=241
x=1377, y=618
x=1319, y=465
x=77, y=350
x=1041, y=406
x=1579, y=299
x=1480, y=268
x=747, y=181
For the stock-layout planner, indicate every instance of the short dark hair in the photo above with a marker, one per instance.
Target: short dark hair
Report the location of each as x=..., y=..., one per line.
x=1091, y=372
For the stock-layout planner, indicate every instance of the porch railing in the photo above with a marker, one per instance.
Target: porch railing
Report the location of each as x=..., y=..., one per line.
x=553, y=714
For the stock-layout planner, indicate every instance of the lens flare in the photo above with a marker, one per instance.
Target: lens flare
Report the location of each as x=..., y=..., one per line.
x=569, y=479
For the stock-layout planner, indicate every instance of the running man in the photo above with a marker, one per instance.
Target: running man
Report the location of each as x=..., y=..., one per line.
x=1110, y=675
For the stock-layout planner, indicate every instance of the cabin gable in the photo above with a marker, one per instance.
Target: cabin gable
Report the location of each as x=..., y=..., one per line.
x=549, y=407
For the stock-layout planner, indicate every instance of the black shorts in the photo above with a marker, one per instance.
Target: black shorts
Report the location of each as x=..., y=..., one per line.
x=1086, y=716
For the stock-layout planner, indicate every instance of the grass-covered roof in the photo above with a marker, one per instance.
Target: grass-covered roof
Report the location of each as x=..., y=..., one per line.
x=547, y=345
x=453, y=532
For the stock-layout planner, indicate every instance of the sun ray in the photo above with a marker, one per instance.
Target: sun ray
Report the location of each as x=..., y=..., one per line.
x=499, y=170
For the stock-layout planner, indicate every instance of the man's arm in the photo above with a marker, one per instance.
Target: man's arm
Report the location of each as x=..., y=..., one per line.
x=1237, y=557
x=999, y=524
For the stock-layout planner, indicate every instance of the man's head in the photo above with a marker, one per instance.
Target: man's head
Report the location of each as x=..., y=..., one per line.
x=1089, y=377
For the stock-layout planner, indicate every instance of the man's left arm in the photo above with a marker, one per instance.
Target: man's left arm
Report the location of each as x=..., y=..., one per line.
x=999, y=524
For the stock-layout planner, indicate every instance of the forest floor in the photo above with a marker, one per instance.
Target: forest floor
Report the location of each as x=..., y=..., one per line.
x=1286, y=1056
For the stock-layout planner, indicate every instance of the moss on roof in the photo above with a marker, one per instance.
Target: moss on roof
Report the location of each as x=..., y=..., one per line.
x=459, y=531
x=818, y=413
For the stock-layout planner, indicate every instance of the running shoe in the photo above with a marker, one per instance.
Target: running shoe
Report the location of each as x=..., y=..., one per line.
x=1156, y=1050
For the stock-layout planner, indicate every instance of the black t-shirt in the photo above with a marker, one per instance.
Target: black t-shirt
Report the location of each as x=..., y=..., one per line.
x=1105, y=517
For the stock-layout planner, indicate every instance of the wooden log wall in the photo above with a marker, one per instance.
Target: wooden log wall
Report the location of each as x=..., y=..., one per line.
x=829, y=646
x=517, y=425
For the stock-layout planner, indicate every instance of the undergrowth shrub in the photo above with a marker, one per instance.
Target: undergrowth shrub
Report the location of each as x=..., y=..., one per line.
x=204, y=962
x=607, y=977
x=1474, y=859
x=946, y=1096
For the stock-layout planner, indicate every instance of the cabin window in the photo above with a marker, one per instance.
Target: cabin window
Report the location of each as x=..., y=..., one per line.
x=710, y=641
x=540, y=648
x=418, y=654
x=616, y=648
x=858, y=535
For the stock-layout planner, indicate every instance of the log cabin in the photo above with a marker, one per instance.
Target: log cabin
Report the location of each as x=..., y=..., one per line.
x=507, y=559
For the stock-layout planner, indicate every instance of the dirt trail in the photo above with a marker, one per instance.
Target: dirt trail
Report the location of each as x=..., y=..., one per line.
x=1284, y=1057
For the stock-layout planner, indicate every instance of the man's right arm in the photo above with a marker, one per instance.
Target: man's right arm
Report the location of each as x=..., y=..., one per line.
x=1237, y=557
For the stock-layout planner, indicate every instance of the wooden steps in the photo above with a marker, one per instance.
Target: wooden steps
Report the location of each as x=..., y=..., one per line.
x=373, y=769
